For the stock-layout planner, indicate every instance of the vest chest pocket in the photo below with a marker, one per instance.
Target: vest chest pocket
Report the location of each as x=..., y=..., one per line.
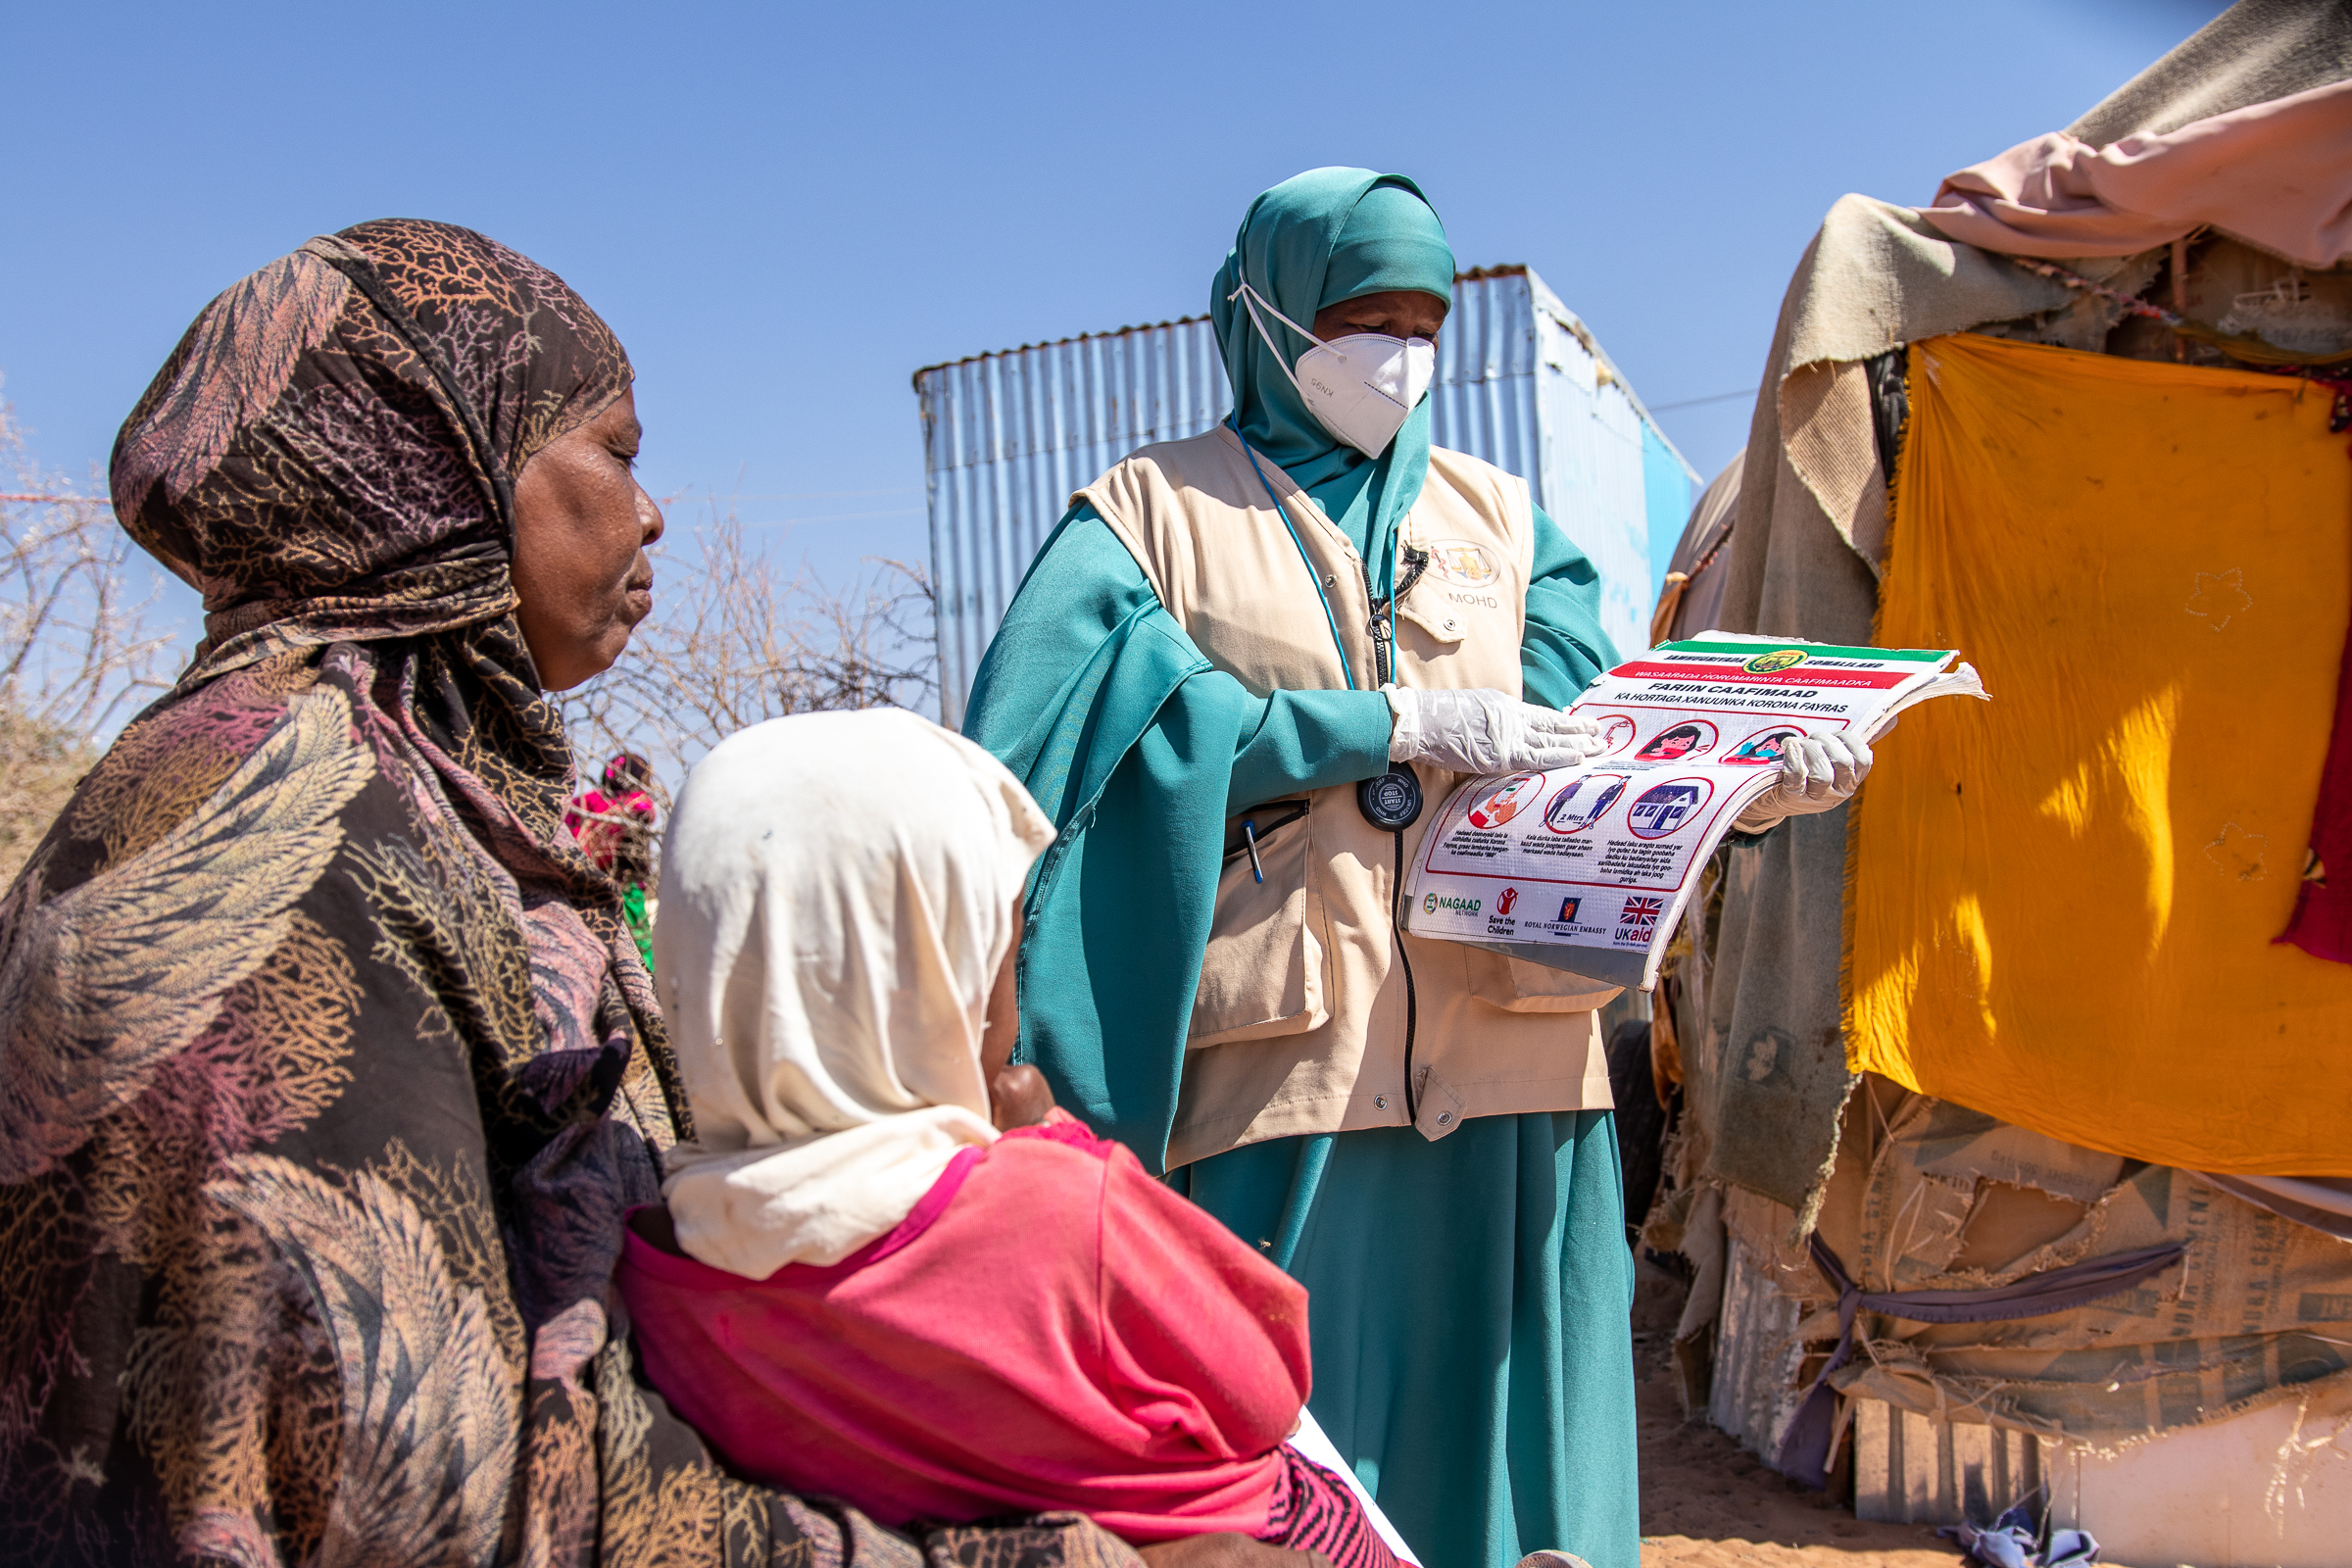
x=1267, y=968
x=1517, y=985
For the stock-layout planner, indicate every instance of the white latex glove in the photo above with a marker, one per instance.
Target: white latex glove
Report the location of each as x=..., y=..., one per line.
x=1817, y=773
x=1481, y=730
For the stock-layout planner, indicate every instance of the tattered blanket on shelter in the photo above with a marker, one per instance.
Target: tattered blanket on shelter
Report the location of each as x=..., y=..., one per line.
x=1930, y=1197
x=2064, y=900
x=2259, y=1307
x=2276, y=174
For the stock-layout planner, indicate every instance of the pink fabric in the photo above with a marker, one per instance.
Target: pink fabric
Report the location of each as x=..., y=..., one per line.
x=2278, y=175
x=593, y=820
x=1050, y=1328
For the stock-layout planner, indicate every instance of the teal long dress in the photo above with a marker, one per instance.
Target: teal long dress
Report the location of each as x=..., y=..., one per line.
x=1469, y=1298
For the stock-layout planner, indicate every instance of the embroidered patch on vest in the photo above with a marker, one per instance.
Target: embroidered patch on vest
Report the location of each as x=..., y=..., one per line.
x=1460, y=562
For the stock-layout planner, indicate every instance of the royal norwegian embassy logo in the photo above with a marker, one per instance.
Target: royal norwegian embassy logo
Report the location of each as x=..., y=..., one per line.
x=1431, y=903
x=1775, y=662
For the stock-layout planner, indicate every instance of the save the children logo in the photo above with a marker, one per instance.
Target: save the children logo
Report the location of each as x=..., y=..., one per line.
x=1775, y=662
x=1511, y=896
x=1431, y=903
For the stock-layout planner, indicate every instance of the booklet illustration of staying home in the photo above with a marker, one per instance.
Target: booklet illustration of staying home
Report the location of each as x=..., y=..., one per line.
x=1587, y=869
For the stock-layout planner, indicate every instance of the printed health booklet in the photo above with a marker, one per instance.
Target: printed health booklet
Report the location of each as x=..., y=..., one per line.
x=1587, y=869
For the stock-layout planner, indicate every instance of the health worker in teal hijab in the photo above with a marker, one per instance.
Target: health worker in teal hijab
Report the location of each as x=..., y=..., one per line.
x=1456, y=1215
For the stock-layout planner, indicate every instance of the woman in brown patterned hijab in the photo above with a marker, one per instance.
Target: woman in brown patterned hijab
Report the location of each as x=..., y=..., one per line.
x=327, y=1067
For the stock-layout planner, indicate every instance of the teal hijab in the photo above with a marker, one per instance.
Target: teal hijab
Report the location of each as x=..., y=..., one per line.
x=1313, y=241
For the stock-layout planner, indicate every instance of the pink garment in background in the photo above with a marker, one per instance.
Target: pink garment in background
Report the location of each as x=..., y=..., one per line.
x=2277, y=174
x=1050, y=1328
x=595, y=820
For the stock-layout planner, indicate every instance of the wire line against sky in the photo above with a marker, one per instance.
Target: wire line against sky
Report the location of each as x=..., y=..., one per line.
x=1693, y=403
x=689, y=494
x=714, y=500
x=831, y=516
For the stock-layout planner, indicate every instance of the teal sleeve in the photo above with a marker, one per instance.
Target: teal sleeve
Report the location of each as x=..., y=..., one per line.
x=1563, y=647
x=1137, y=749
x=1087, y=583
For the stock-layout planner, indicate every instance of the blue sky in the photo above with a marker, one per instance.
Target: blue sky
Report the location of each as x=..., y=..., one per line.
x=786, y=210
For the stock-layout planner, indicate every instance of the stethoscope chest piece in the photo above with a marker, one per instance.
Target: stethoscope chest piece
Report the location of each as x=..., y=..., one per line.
x=1390, y=801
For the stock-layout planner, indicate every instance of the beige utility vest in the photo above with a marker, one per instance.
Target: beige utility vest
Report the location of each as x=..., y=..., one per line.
x=1301, y=1022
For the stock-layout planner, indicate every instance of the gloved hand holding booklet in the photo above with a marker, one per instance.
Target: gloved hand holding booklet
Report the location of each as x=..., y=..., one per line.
x=1586, y=868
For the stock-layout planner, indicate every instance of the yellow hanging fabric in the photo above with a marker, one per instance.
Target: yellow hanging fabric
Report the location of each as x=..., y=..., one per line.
x=2063, y=901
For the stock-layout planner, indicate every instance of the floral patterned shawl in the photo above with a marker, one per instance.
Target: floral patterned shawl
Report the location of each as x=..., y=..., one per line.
x=328, y=1068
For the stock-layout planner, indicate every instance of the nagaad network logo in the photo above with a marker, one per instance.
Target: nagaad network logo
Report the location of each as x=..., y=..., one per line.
x=1640, y=917
x=1431, y=903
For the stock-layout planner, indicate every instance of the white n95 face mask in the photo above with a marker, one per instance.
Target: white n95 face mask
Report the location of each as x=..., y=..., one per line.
x=1359, y=387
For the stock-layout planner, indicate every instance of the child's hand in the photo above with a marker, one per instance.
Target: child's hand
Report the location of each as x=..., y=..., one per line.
x=1019, y=1097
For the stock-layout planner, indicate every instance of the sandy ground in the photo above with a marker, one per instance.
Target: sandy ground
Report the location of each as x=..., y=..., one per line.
x=1706, y=1503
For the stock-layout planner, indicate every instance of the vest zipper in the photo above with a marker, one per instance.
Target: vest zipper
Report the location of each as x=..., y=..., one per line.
x=1384, y=613
x=1413, y=1109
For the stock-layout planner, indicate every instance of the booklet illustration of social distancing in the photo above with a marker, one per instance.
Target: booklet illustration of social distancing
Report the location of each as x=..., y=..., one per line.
x=1587, y=869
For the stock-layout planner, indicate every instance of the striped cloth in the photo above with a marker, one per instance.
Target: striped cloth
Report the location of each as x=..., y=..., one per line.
x=1315, y=1510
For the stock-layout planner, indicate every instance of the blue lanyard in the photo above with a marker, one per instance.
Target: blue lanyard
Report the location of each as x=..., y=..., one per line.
x=1283, y=513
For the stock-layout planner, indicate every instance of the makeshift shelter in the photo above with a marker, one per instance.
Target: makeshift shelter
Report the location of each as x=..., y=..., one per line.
x=2012, y=452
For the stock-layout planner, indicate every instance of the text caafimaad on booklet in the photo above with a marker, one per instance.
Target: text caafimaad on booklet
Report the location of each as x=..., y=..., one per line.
x=1587, y=869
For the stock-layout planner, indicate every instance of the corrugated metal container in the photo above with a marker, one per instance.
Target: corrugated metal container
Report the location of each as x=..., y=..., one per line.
x=1007, y=437
x=1759, y=1357
x=1912, y=1469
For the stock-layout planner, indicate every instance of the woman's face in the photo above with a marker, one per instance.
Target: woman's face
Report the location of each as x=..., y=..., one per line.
x=581, y=525
x=1394, y=312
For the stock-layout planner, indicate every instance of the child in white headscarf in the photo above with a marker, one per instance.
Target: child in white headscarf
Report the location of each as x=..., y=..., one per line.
x=879, y=1285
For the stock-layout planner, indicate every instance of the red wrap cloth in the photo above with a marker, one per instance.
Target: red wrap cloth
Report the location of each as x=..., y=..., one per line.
x=1050, y=1328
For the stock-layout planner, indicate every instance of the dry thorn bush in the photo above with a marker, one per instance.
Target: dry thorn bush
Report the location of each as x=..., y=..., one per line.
x=78, y=648
x=735, y=639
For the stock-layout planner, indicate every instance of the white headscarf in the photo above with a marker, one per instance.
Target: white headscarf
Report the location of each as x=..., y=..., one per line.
x=837, y=893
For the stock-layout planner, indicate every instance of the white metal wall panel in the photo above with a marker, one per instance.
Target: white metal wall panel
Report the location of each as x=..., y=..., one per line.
x=1007, y=437
x=1759, y=1354
x=1485, y=400
x=1593, y=483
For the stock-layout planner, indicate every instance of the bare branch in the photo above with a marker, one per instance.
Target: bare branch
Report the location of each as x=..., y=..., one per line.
x=76, y=648
x=734, y=641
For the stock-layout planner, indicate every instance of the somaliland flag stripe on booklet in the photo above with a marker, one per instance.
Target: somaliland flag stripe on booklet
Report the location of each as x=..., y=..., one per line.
x=1744, y=650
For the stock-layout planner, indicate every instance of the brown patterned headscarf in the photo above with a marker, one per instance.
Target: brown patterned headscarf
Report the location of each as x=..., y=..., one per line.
x=330, y=456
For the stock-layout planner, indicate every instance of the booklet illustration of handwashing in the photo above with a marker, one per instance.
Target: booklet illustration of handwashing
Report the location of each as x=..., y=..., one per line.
x=1587, y=869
